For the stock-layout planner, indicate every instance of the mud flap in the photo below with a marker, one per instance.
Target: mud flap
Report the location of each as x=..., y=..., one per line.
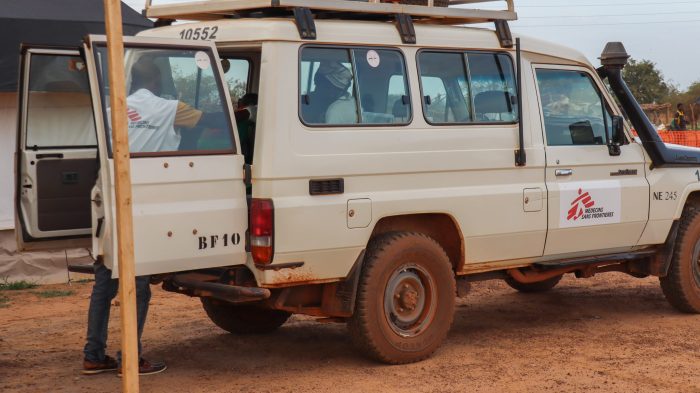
x=339, y=298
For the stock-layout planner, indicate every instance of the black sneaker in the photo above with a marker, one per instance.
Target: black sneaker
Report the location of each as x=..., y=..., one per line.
x=148, y=368
x=91, y=368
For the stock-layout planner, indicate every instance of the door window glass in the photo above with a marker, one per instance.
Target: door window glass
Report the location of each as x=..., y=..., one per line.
x=342, y=86
x=572, y=108
x=59, y=109
x=173, y=97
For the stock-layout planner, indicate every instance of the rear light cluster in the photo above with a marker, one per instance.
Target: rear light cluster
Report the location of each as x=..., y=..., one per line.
x=262, y=229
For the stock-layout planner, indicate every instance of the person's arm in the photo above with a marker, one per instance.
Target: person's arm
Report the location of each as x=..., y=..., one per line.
x=186, y=116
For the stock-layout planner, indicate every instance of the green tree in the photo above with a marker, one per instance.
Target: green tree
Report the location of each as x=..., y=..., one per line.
x=646, y=81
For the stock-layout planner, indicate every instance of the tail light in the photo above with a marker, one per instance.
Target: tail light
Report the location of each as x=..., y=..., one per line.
x=262, y=228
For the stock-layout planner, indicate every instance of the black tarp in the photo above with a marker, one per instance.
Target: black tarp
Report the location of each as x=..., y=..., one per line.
x=53, y=23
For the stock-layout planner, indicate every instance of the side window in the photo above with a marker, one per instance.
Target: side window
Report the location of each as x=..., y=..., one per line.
x=493, y=87
x=446, y=95
x=572, y=107
x=237, y=75
x=59, y=109
x=473, y=87
x=174, y=98
x=341, y=86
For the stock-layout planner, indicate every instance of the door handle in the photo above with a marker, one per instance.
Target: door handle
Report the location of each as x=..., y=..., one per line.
x=564, y=172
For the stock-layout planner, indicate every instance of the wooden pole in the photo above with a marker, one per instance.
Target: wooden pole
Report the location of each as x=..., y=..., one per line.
x=122, y=183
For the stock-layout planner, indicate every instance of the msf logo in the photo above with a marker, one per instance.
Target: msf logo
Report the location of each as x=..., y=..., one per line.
x=578, y=206
x=133, y=115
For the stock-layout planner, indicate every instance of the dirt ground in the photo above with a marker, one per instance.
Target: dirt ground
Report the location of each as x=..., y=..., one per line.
x=611, y=333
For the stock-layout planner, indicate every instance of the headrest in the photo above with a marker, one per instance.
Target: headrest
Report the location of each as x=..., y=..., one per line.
x=494, y=101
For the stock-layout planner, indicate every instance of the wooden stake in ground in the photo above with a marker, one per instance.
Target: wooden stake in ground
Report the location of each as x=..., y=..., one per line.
x=122, y=182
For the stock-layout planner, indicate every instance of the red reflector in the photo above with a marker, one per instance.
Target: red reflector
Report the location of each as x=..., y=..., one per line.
x=262, y=215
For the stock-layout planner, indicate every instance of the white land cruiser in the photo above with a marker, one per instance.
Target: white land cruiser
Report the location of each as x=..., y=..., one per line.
x=389, y=165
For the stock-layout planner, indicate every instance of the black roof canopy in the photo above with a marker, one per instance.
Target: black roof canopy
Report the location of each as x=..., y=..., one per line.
x=52, y=23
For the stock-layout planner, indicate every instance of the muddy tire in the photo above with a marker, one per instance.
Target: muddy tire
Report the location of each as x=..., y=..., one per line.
x=682, y=284
x=405, y=300
x=541, y=286
x=244, y=319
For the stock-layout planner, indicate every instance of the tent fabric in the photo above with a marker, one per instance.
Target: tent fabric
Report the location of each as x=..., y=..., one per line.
x=44, y=267
x=61, y=23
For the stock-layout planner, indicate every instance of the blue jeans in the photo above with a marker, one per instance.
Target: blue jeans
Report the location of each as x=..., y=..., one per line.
x=104, y=290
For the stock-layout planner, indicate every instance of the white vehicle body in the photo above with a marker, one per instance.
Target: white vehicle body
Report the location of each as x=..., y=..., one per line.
x=331, y=198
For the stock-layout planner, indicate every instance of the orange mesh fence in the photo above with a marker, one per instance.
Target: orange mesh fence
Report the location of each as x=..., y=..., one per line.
x=686, y=138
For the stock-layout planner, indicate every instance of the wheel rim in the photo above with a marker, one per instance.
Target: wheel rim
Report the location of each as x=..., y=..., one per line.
x=409, y=300
x=696, y=263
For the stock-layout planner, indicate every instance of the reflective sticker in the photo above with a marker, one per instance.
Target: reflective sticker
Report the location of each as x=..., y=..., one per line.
x=202, y=60
x=589, y=203
x=373, y=58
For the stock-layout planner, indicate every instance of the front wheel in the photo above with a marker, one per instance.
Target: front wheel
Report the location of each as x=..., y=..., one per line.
x=682, y=284
x=243, y=318
x=405, y=300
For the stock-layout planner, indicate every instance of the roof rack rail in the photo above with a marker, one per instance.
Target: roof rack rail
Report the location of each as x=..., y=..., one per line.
x=304, y=12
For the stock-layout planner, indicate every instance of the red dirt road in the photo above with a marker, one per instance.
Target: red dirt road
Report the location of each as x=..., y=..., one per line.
x=611, y=333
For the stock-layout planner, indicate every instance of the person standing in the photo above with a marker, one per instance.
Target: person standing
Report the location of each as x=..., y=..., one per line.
x=680, y=123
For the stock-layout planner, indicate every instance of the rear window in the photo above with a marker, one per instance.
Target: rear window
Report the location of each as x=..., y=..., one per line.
x=353, y=86
x=59, y=109
x=175, y=99
x=470, y=87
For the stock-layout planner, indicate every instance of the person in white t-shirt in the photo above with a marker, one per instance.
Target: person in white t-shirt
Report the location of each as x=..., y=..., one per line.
x=153, y=119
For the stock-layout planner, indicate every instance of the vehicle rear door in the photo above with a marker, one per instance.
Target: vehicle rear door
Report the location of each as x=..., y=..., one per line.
x=56, y=164
x=189, y=196
x=597, y=200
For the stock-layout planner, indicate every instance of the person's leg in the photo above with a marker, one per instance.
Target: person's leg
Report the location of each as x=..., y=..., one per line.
x=103, y=291
x=143, y=297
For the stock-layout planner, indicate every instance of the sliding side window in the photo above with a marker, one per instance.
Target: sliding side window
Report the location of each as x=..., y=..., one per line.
x=463, y=88
x=346, y=86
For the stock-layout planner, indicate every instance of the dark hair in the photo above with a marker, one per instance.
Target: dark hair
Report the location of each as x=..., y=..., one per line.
x=679, y=105
x=143, y=73
x=248, y=99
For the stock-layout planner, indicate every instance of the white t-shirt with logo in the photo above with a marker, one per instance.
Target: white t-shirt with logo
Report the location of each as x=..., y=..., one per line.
x=151, y=122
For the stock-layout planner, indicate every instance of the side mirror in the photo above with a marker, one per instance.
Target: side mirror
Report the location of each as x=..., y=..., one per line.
x=618, y=130
x=618, y=135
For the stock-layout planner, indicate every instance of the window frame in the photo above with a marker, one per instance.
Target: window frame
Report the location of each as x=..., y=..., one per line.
x=179, y=153
x=465, y=61
x=601, y=90
x=356, y=87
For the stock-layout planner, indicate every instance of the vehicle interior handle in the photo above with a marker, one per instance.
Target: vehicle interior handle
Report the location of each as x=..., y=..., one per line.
x=49, y=155
x=564, y=172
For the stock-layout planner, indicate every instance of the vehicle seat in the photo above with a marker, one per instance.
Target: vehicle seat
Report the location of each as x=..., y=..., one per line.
x=494, y=102
x=400, y=111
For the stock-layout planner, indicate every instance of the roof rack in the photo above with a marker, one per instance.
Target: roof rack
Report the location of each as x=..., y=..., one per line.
x=305, y=11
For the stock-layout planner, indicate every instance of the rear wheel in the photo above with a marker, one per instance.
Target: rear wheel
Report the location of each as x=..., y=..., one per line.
x=682, y=284
x=405, y=301
x=533, y=287
x=243, y=318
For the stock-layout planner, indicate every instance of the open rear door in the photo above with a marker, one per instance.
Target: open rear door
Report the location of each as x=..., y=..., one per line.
x=56, y=164
x=189, y=196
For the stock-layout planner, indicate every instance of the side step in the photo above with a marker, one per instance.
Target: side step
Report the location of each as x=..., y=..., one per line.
x=83, y=269
x=622, y=257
